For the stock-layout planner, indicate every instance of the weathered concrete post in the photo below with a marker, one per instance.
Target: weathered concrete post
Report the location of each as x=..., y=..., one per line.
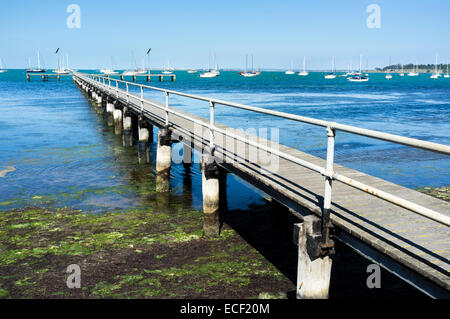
x=117, y=121
x=210, y=190
x=99, y=97
x=143, y=147
x=110, y=112
x=314, y=267
x=127, y=128
x=163, y=160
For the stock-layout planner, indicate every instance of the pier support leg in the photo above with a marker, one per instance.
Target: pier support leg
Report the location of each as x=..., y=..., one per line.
x=210, y=190
x=143, y=147
x=314, y=269
x=163, y=160
x=117, y=121
x=110, y=113
x=127, y=128
x=99, y=98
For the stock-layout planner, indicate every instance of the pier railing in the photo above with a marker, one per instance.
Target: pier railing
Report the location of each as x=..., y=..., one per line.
x=331, y=128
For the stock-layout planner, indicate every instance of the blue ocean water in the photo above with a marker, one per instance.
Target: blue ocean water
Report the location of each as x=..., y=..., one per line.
x=57, y=144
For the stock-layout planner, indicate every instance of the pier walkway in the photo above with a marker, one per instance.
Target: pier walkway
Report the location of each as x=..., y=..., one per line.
x=403, y=230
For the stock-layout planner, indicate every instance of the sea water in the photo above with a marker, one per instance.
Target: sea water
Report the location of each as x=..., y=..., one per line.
x=63, y=153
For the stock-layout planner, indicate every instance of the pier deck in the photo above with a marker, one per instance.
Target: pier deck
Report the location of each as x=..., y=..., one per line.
x=410, y=245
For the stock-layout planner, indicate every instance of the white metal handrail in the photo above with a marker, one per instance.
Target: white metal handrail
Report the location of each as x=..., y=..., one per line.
x=328, y=171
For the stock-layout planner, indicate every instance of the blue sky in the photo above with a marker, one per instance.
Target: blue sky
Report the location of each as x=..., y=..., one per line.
x=185, y=32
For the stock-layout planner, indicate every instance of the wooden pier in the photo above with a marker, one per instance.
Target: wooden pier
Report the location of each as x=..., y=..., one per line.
x=404, y=231
x=46, y=76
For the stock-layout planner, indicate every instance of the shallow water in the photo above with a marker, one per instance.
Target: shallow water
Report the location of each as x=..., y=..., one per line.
x=62, y=151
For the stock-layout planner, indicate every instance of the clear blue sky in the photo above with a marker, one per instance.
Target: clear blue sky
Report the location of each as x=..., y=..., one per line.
x=184, y=32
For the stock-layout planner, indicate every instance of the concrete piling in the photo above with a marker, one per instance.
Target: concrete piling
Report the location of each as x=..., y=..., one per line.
x=117, y=116
x=163, y=160
x=164, y=150
x=143, y=144
x=211, y=200
x=314, y=269
x=110, y=112
x=127, y=128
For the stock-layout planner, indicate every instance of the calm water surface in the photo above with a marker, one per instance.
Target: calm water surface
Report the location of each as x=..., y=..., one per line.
x=63, y=152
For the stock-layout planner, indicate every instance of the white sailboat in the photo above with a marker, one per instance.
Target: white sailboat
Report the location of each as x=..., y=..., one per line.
x=290, y=71
x=2, y=69
x=111, y=70
x=358, y=77
x=304, y=72
x=436, y=74
x=38, y=69
x=191, y=71
x=62, y=68
x=331, y=75
x=402, y=73
x=446, y=75
x=414, y=71
x=389, y=75
x=210, y=73
x=167, y=70
x=247, y=74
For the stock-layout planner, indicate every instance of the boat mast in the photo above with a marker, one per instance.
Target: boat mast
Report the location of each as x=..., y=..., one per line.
x=360, y=64
x=435, y=64
x=246, y=62
x=39, y=60
x=304, y=63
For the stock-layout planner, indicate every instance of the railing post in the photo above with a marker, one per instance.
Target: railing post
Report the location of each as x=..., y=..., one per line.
x=142, y=99
x=117, y=89
x=326, y=243
x=128, y=94
x=167, y=108
x=211, y=127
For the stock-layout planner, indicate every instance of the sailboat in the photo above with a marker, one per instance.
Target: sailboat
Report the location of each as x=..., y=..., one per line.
x=62, y=69
x=2, y=70
x=402, y=73
x=359, y=77
x=249, y=74
x=446, y=75
x=210, y=73
x=414, y=71
x=216, y=68
x=348, y=72
x=331, y=75
x=290, y=71
x=35, y=70
x=389, y=75
x=167, y=70
x=111, y=70
x=304, y=72
x=436, y=74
